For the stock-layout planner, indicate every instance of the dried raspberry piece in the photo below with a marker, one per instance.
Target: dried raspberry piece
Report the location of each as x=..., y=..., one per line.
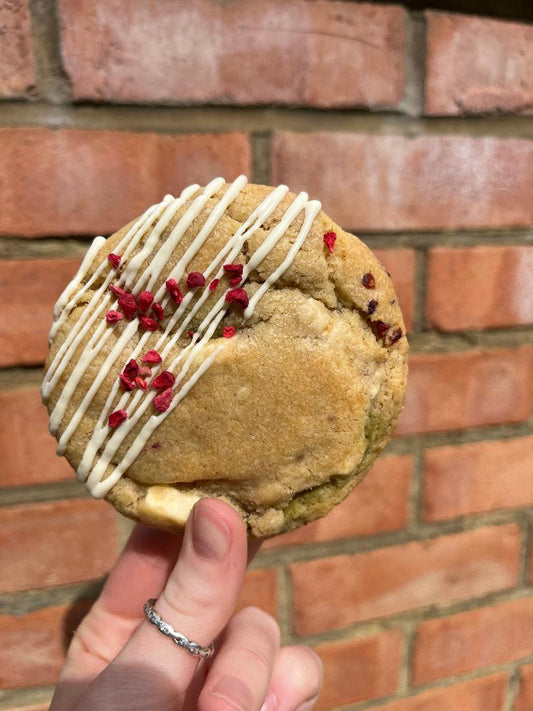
x=145, y=371
x=125, y=383
x=213, y=285
x=380, y=328
x=228, y=331
x=149, y=324
x=158, y=311
x=156, y=445
x=368, y=281
x=151, y=357
x=174, y=291
x=191, y=334
x=114, y=259
x=162, y=401
x=145, y=298
x=394, y=336
x=113, y=316
x=116, y=290
x=195, y=279
x=371, y=306
x=131, y=369
x=164, y=380
x=117, y=418
x=329, y=240
x=235, y=280
x=140, y=383
x=128, y=305
x=237, y=296
x=234, y=269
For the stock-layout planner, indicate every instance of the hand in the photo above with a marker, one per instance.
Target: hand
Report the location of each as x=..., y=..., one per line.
x=119, y=660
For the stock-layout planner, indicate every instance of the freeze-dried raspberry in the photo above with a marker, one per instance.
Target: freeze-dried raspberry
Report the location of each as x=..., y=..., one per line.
x=164, y=380
x=162, y=401
x=329, y=240
x=151, y=357
x=131, y=369
x=114, y=259
x=113, y=316
x=237, y=296
x=158, y=311
x=149, y=324
x=144, y=299
x=174, y=291
x=228, y=331
x=117, y=418
x=195, y=279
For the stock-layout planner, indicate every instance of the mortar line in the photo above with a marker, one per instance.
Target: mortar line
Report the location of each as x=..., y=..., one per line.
x=53, y=84
x=178, y=119
x=412, y=102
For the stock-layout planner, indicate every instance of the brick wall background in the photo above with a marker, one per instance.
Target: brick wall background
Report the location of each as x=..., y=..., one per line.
x=415, y=129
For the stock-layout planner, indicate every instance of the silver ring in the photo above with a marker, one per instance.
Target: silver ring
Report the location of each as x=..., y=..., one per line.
x=180, y=639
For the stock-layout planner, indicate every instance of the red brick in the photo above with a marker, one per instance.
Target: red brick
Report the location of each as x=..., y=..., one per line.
x=473, y=640
x=448, y=391
x=405, y=577
x=17, y=71
x=260, y=590
x=97, y=181
x=376, y=505
x=477, y=65
x=28, y=449
x=479, y=287
x=374, y=183
x=29, y=289
x=401, y=265
x=46, y=634
x=524, y=702
x=359, y=669
x=56, y=543
x=484, y=694
x=485, y=476
x=305, y=53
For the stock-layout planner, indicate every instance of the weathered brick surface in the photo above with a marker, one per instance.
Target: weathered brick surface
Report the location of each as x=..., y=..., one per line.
x=56, y=543
x=46, y=634
x=398, y=578
x=473, y=640
x=373, y=183
x=29, y=289
x=17, y=71
x=379, y=503
x=479, y=287
x=260, y=590
x=400, y=263
x=524, y=701
x=485, y=476
x=478, y=65
x=450, y=391
x=359, y=669
x=484, y=694
x=28, y=449
x=97, y=181
x=315, y=54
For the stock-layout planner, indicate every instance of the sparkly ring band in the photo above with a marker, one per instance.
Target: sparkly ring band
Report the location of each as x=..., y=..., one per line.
x=180, y=639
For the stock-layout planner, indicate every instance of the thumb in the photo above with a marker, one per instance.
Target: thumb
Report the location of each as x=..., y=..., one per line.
x=198, y=599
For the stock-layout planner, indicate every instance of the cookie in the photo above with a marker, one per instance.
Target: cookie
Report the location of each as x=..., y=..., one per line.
x=232, y=342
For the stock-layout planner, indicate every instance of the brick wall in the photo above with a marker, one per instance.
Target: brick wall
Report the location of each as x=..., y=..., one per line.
x=416, y=131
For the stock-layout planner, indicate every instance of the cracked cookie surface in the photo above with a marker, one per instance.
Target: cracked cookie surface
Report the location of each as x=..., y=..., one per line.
x=297, y=404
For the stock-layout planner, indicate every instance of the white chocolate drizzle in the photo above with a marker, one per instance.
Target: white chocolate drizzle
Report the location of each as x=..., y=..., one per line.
x=102, y=447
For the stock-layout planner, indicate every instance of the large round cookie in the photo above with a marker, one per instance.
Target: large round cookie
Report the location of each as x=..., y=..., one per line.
x=279, y=384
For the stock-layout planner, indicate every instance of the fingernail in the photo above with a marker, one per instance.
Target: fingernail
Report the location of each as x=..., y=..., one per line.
x=210, y=533
x=234, y=691
x=270, y=703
